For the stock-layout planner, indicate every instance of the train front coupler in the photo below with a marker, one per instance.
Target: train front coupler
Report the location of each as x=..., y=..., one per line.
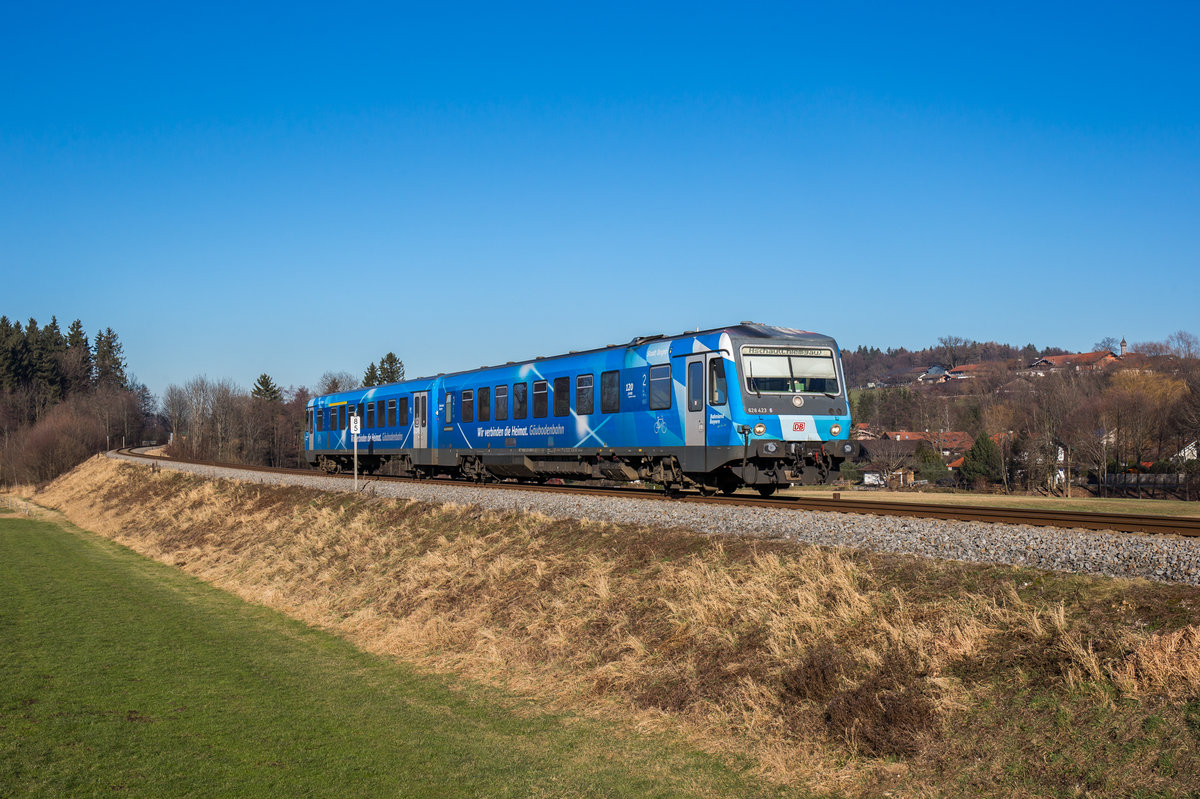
x=813, y=462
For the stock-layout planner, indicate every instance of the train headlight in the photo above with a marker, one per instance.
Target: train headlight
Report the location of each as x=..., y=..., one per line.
x=760, y=429
x=833, y=431
x=798, y=400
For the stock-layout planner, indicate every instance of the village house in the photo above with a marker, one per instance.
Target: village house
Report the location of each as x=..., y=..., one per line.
x=947, y=443
x=1077, y=362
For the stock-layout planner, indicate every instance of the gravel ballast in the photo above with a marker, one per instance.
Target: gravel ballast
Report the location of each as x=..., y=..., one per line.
x=1156, y=557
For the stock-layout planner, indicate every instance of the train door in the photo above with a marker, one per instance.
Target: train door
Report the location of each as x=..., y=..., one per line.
x=694, y=414
x=421, y=419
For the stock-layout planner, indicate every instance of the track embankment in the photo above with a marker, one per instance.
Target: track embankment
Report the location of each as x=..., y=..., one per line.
x=838, y=670
x=1169, y=558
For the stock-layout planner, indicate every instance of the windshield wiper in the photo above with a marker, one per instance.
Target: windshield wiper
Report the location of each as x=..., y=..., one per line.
x=753, y=382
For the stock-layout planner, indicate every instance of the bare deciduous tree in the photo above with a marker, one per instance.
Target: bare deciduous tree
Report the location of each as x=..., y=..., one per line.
x=333, y=382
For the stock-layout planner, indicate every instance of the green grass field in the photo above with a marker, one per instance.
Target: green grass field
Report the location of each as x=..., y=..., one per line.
x=123, y=677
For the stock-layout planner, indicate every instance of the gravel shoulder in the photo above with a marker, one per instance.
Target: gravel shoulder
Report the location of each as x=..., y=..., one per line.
x=1155, y=557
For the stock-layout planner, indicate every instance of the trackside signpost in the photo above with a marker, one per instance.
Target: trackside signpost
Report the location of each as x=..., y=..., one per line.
x=355, y=427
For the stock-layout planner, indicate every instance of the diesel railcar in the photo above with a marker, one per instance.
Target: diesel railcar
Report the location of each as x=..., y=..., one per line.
x=745, y=405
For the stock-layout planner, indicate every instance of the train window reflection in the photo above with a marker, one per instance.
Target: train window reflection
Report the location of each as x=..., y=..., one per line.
x=781, y=370
x=562, y=396
x=540, y=407
x=485, y=405
x=584, y=396
x=501, y=403
x=610, y=392
x=520, y=398
x=468, y=406
x=660, y=387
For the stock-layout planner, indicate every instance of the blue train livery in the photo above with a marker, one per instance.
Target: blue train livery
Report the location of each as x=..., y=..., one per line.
x=746, y=405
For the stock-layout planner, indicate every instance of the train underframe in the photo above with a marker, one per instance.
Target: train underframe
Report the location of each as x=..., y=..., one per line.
x=765, y=466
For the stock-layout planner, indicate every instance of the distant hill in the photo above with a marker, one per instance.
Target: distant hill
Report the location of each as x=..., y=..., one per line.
x=872, y=365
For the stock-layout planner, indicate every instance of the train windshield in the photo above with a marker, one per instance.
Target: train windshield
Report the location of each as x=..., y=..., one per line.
x=789, y=370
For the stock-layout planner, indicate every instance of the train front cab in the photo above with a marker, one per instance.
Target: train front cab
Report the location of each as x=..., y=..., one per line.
x=789, y=411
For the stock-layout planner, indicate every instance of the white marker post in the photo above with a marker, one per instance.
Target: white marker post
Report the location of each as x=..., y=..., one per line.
x=355, y=427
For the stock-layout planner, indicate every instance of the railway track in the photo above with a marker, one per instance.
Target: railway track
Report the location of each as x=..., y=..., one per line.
x=1120, y=522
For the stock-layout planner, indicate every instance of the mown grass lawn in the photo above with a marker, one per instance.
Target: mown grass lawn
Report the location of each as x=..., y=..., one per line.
x=121, y=676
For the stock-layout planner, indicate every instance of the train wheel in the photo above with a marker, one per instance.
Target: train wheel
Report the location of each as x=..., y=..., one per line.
x=766, y=490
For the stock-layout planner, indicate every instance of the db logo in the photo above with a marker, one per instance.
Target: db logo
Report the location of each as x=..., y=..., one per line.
x=797, y=427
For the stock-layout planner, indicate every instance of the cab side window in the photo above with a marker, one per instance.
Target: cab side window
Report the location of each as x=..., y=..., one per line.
x=717, y=389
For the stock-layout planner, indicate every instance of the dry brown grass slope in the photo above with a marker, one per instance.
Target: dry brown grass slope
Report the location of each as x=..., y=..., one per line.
x=840, y=671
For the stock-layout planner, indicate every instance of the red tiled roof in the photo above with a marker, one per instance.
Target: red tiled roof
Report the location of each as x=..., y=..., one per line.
x=1077, y=358
x=953, y=440
x=967, y=368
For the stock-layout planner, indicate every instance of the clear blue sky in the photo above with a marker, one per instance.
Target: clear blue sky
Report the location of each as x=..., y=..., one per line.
x=296, y=188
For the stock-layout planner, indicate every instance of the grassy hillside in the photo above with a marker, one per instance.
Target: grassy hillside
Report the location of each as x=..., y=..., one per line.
x=121, y=676
x=831, y=670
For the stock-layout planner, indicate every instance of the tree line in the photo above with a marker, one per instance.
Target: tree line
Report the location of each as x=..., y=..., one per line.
x=1136, y=415
x=218, y=420
x=64, y=397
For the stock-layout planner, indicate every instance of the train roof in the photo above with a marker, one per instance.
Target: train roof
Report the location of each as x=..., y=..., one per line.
x=742, y=330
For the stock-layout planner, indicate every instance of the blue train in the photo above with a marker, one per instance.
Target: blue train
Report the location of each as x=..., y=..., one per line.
x=746, y=405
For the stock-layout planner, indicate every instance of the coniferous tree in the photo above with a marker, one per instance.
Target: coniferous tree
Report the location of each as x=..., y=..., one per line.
x=77, y=361
x=371, y=376
x=266, y=389
x=48, y=350
x=22, y=355
x=982, y=461
x=109, y=359
x=391, y=369
x=10, y=335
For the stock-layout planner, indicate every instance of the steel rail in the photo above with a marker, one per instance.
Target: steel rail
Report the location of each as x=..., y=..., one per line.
x=1088, y=520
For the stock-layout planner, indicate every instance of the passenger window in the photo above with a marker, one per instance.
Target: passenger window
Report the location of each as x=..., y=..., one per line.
x=717, y=393
x=380, y=410
x=520, y=400
x=342, y=425
x=402, y=412
x=660, y=387
x=320, y=414
x=485, y=405
x=370, y=420
x=391, y=414
x=610, y=392
x=695, y=386
x=540, y=404
x=501, y=403
x=584, y=396
x=468, y=406
x=562, y=396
